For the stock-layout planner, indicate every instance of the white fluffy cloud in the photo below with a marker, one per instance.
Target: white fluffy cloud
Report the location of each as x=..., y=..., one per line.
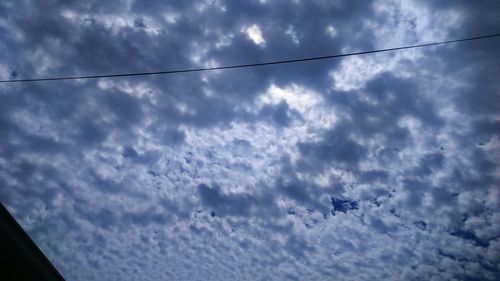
x=255, y=34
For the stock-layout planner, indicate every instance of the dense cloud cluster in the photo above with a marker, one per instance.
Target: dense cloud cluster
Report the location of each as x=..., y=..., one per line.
x=376, y=167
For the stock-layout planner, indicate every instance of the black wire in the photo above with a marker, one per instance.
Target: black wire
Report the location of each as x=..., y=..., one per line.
x=250, y=64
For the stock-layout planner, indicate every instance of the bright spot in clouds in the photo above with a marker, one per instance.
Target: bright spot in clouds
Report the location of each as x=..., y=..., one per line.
x=293, y=35
x=331, y=31
x=255, y=34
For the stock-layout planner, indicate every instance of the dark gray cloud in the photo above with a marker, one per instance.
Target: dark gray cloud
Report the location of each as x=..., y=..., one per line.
x=221, y=204
x=335, y=148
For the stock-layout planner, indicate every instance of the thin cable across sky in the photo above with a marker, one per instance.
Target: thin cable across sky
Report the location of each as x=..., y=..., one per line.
x=249, y=64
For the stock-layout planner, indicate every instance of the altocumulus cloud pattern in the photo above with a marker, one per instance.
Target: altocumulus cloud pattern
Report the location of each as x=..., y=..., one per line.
x=379, y=167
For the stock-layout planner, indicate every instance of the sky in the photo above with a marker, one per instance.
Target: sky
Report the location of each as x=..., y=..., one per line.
x=374, y=167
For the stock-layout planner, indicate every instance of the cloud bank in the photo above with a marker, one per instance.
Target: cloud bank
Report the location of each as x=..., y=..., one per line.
x=370, y=167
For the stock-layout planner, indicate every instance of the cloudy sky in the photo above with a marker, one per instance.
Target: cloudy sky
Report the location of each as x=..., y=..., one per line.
x=375, y=167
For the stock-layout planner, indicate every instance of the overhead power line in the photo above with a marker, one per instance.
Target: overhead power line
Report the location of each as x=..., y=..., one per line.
x=249, y=64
